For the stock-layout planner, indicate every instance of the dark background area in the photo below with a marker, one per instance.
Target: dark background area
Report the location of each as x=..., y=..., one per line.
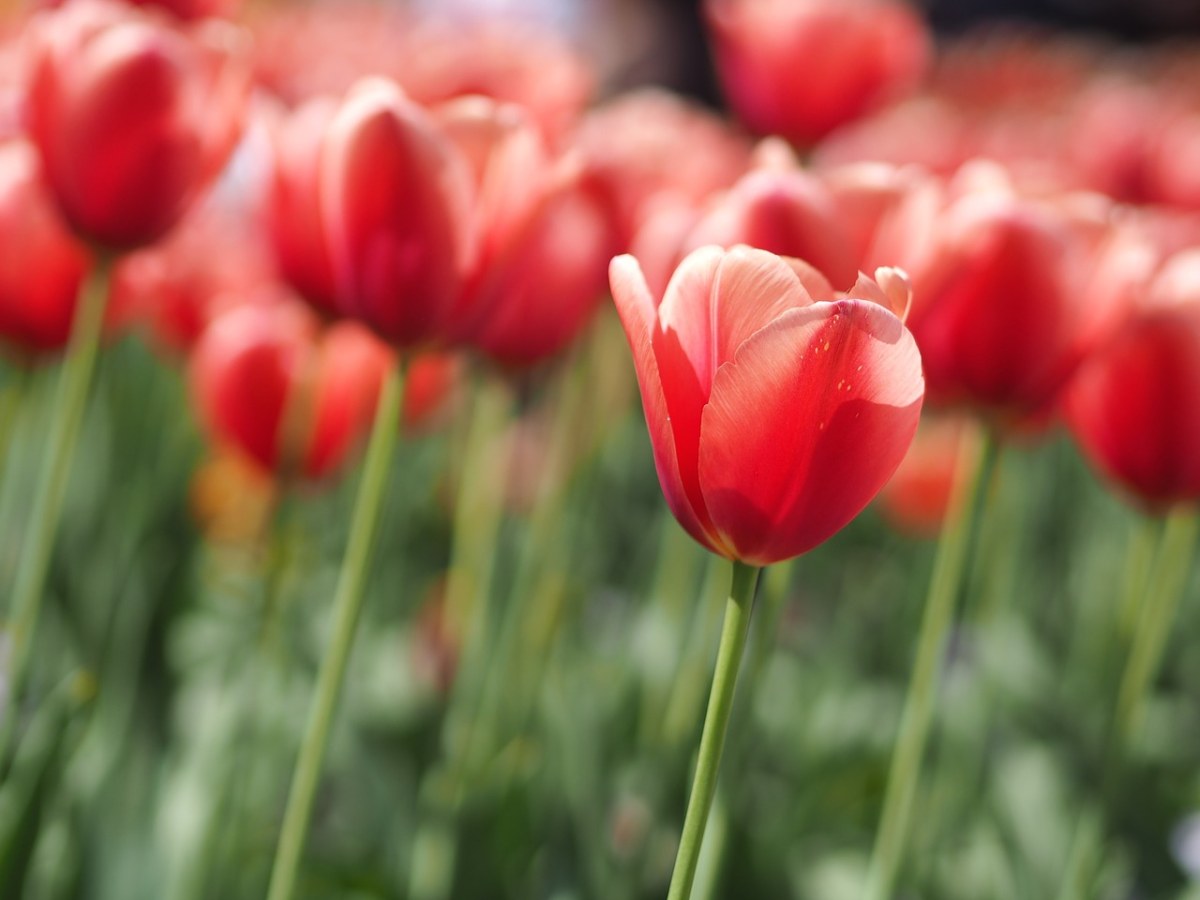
x=1123, y=20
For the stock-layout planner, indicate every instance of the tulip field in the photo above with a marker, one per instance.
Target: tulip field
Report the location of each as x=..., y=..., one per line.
x=442, y=458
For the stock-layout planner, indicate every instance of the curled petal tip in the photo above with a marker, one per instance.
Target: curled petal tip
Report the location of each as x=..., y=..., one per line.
x=890, y=288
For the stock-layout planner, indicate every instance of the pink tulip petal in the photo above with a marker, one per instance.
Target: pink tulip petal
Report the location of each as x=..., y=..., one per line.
x=889, y=288
x=806, y=425
x=636, y=307
x=717, y=299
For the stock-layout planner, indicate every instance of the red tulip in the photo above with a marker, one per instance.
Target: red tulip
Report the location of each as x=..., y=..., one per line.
x=545, y=238
x=801, y=68
x=133, y=115
x=350, y=367
x=242, y=370
x=293, y=211
x=42, y=266
x=395, y=201
x=775, y=416
x=1135, y=406
x=256, y=365
x=781, y=208
x=1011, y=296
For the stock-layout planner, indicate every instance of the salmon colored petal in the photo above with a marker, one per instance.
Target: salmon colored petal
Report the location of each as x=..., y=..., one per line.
x=718, y=299
x=806, y=425
x=889, y=288
x=636, y=307
x=811, y=279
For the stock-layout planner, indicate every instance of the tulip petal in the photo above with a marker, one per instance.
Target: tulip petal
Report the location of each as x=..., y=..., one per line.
x=889, y=288
x=718, y=298
x=806, y=425
x=636, y=307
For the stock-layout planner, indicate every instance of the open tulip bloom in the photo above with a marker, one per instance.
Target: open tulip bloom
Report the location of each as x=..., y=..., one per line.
x=777, y=409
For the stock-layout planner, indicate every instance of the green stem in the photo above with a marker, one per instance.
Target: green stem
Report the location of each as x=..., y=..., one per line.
x=67, y=415
x=716, y=722
x=346, y=607
x=10, y=406
x=948, y=568
x=1154, y=626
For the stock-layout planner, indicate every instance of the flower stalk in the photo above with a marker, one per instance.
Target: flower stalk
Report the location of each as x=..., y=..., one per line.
x=949, y=566
x=347, y=605
x=716, y=722
x=67, y=416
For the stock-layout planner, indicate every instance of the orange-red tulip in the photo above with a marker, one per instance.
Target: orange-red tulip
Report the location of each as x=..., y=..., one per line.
x=775, y=416
x=801, y=68
x=132, y=115
x=1135, y=406
x=42, y=266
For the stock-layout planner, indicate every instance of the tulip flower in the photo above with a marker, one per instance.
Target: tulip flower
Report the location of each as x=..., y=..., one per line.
x=801, y=68
x=776, y=411
x=132, y=115
x=545, y=238
x=395, y=202
x=42, y=266
x=1012, y=295
x=781, y=208
x=775, y=415
x=259, y=371
x=1134, y=407
x=292, y=217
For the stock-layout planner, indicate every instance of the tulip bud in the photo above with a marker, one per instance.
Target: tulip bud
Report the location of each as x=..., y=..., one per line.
x=394, y=200
x=1134, y=406
x=42, y=266
x=293, y=216
x=545, y=238
x=132, y=115
x=285, y=396
x=801, y=68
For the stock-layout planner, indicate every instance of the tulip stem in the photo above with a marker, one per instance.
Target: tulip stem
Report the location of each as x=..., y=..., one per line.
x=67, y=415
x=347, y=605
x=1154, y=625
x=974, y=470
x=716, y=722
